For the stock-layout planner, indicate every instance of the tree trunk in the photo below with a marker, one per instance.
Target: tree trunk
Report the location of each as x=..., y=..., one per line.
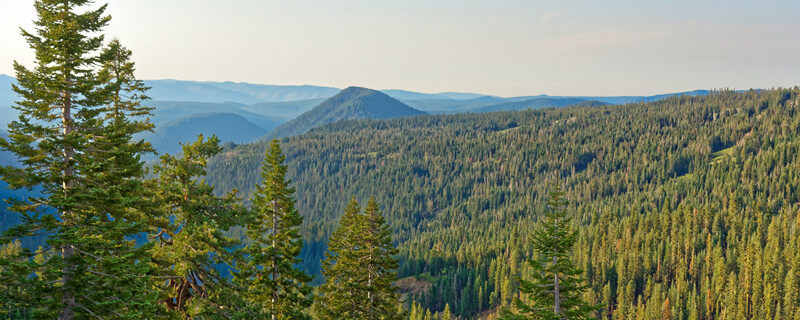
x=67, y=250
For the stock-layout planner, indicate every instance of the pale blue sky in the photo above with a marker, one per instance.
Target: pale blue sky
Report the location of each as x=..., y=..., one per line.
x=494, y=47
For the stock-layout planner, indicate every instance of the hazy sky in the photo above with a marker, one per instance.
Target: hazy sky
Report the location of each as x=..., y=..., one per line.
x=495, y=47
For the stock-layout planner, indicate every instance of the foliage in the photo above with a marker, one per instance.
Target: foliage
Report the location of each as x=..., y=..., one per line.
x=557, y=284
x=359, y=268
x=657, y=220
x=270, y=276
x=189, y=224
x=74, y=142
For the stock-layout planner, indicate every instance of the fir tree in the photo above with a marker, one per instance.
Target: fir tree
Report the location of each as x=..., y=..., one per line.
x=339, y=295
x=89, y=172
x=270, y=276
x=190, y=224
x=557, y=284
x=359, y=268
x=378, y=264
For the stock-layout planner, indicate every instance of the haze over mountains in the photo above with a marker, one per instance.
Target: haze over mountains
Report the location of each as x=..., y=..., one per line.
x=244, y=112
x=227, y=127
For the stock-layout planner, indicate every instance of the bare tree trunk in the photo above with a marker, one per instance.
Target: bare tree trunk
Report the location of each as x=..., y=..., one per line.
x=67, y=250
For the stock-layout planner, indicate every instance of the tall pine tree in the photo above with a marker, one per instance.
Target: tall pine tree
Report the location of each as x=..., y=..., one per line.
x=270, y=276
x=67, y=140
x=338, y=296
x=556, y=287
x=359, y=268
x=378, y=264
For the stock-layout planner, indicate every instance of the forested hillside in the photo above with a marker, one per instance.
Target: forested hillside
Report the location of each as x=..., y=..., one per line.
x=350, y=103
x=229, y=127
x=687, y=208
x=538, y=103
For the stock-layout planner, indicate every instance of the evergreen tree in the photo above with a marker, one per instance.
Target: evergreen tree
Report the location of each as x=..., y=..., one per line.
x=359, y=268
x=557, y=284
x=9, y=307
x=340, y=296
x=193, y=251
x=270, y=276
x=378, y=264
x=72, y=146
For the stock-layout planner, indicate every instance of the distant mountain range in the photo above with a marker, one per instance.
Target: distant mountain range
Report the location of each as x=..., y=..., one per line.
x=620, y=99
x=350, y=103
x=184, y=108
x=228, y=127
x=538, y=103
x=246, y=93
x=167, y=111
x=286, y=110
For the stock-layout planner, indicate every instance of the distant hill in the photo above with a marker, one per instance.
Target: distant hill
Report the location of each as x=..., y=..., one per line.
x=285, y=109
x=278, y=93
x=412, y=95
x=620, y=99
x=453, y=106
x=239, y=92
x=228, y=127
x=299, y=98
x=350, y=103
x=168, y=111
x=449, y=105
x=179, y=90
x=537, y=103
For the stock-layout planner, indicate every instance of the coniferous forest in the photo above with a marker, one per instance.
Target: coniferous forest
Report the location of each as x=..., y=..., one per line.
x=680, y=208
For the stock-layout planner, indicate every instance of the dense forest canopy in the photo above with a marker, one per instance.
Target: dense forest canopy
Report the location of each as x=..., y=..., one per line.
x=681, y=203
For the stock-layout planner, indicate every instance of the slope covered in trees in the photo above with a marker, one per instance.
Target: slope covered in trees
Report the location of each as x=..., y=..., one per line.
x=350, y=103
x=229, y=127
x=685, y=207
x=538, y=103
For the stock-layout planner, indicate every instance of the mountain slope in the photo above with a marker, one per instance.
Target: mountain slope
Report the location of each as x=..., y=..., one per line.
x=453, y=106
x=671, y=193
x=619, y=99
x=350, y=103
x=180, y=90
x=168, y=111
x=412, y=95
x=284, y=109
x=536, y=103
x=277, y=93
x=228, y=127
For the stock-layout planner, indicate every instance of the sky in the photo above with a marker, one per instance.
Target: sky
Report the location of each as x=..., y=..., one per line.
x=500, y=47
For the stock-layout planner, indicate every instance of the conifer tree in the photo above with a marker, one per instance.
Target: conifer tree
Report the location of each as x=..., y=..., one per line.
x=10, y=307
x=378, y=264
x=557, y=284
x=359, y=268
x=339, y=295
x=89, y=172
x=193, y=251
x=270, y=276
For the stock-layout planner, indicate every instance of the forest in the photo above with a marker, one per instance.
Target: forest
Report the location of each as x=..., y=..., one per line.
x=680, y=208
x=685, y=207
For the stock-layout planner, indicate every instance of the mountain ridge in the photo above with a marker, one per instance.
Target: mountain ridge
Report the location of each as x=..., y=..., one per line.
x=228, y=127
x=350, y=103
